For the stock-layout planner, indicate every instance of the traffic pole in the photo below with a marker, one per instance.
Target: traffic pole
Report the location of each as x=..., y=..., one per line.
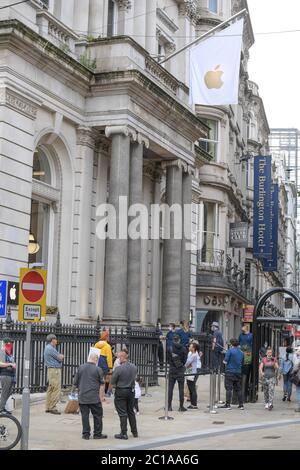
x=26, y=392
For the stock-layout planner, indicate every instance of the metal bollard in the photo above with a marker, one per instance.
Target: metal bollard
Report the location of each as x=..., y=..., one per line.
x=220, y=402
x=146, y=388
x=212, y=392
x=166, y=417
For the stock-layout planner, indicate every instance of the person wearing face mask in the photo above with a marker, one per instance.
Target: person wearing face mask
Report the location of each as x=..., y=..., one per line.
x=268, y=371
x=7, y=372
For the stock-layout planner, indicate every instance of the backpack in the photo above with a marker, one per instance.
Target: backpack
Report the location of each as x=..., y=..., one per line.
x=102, y=363
x=287, y=367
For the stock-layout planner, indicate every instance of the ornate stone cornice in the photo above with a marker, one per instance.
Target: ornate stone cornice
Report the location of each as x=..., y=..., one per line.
x=179, y=163
x=123, y=130
x=124, y=4
x=141, y=139
x=166, y=20
x=86, y=136
x=189, y=9
x=18, y=103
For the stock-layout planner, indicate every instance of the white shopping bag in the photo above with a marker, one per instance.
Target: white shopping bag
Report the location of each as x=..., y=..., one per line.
x=94, y=351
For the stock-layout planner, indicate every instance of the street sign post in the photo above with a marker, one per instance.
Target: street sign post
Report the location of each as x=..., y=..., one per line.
x=3, y=298
x=32, y=295
x=32, y=309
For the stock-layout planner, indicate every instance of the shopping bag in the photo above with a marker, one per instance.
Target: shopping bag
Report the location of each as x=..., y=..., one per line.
x=72, y=406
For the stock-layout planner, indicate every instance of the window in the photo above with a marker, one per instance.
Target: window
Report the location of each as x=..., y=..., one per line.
x=111, y=20
x=41, y=167
x=209, y=231
x=210, y=145
x=39, y=228
x=213, y=6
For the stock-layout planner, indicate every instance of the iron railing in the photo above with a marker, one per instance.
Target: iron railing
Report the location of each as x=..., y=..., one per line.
x=74, y=342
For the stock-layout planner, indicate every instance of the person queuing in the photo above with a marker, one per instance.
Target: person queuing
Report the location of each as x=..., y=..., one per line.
x=105, y=359
x=170, y=335
x=285, y=369
x=177, y=359
x=53, y=361
x=217, y=347
x=184, y=334
x=123, y=379
x=7, y=372
x=191, y=365
x=295, y=376
x=234, y=360
x=246, y=344
x=268, y=370
x=90, y=384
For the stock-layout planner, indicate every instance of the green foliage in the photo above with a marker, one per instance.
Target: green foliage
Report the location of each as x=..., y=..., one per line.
x=86, y=60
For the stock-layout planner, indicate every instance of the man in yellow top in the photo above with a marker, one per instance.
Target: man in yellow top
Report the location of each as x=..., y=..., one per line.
x=105, y=360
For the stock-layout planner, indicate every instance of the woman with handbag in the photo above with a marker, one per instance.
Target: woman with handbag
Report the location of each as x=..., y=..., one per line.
x=295, y=377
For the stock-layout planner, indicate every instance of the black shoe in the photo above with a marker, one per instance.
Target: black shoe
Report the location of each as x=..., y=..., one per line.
x=241, y=407
x=55, y=412
x=182, y=408
x=135, y=434
x=100, y=436
x=121, y=436
x=288, y=398
x=192, y=407
x=284, y=398
x=85, y=437
x=226, y=406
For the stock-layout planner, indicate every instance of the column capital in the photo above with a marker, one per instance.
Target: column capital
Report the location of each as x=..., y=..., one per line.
x=179, y=163
x=123, y=130
x=154, y=172
x=86, y=136
x=143, y=140
x=124, y=4
x=189, y=9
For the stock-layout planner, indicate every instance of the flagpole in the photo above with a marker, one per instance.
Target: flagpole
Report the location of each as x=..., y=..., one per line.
x=243, y=12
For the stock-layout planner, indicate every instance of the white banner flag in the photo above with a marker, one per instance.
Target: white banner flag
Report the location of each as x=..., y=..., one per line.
x=215, y=67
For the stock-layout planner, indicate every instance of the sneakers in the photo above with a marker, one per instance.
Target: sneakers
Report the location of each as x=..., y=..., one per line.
x=55, y=412
x=121, y=436
x=226, y=407
x=284, y=398
x=267, y=406
x=270, y=406
x=192, y=407
x=241, y=407
x=182, y=409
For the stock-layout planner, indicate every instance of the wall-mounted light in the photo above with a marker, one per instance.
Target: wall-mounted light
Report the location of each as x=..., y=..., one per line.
x=33, y=246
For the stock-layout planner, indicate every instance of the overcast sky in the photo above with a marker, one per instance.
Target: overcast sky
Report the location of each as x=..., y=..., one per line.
x=274, y=60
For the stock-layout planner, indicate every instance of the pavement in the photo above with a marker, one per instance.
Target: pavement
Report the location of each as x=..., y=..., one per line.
x=254, y=428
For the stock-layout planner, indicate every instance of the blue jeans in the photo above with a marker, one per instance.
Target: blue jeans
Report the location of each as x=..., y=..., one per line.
x=298, y=395
x=287, y=385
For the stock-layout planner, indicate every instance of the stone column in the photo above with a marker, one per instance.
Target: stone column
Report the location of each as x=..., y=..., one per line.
x=115, y=285
x=187, y=181
x=151, y=27
x=140, y=7
x=171, y=298
x=81, y=17
x=156, y=261
x=82, y=220
x=134, y=246
x=96, y=16
x=125, y=17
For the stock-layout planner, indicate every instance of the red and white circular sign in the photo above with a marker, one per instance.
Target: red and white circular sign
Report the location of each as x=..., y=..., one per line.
x=33, y=286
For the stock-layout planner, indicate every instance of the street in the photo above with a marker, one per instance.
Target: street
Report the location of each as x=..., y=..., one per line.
x=254, y=428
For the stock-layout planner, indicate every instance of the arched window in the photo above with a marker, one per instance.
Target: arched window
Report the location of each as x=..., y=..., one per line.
x=41, y=169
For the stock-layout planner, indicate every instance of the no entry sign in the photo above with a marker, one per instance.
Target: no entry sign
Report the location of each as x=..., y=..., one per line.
x=32, y=301
x=33, y=286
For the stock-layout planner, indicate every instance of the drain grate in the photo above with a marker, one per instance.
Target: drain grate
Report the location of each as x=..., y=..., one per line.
x=272, y=437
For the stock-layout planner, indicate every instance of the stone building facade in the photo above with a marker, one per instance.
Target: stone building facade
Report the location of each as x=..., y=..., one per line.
x=88, y=115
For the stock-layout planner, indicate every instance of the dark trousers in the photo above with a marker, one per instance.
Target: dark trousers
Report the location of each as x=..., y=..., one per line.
x=7, y=385
x=161, y=355
x=136, y=405
x=97, y=412
x=217, y=361
x=193, y=392
x=124, y=403
x=233, y=382
x=246, y=372
x=179, y=378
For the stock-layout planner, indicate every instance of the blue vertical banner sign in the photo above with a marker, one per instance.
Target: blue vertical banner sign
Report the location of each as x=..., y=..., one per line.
x=3, y=298
x=262, y=207
x=270, y=264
